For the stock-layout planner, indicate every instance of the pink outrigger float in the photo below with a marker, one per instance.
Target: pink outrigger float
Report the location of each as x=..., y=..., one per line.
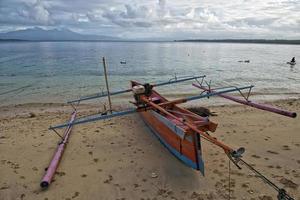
x=178, y=129
x=248, y=102
x=50, y=171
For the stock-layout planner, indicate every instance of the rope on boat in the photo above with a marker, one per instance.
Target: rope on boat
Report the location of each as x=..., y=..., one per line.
x=229, y=172
x=282, y=195
x=236, y=156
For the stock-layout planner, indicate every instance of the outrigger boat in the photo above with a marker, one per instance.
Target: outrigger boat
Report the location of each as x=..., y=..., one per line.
x=178, y=129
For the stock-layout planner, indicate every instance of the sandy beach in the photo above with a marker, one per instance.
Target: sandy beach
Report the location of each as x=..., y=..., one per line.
x=116, y=159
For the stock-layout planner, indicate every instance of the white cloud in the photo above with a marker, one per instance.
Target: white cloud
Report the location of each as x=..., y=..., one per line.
x=159, y=18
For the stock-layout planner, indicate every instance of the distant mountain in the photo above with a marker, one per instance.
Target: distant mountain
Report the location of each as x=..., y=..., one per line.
x=39, y=34
x=261, y=41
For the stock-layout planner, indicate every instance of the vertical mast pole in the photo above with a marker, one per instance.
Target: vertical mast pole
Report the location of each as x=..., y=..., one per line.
x=106, y=82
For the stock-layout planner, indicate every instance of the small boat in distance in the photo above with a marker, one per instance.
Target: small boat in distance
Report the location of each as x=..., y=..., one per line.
x=245, y=61
x=292, y=62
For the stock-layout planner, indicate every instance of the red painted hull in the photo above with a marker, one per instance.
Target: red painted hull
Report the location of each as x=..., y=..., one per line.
x=175, y=136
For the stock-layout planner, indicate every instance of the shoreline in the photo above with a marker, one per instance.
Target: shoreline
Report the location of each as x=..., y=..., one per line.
x=114, y=159
x=15, y=110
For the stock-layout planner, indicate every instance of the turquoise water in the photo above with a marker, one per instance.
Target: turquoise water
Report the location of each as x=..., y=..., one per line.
x=59, y=71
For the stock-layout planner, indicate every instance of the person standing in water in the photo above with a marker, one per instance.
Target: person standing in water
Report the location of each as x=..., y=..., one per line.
x=293, y=60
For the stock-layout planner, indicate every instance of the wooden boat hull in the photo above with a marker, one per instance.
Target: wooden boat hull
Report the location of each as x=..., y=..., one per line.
x=176, y=136
x=172, y=137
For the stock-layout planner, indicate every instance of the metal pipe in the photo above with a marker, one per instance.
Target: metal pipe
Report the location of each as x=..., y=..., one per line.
x=178, y=80
x=57, y=156
x=93, y=118
x=212, y=93
x=253, y=104
x=104, y=94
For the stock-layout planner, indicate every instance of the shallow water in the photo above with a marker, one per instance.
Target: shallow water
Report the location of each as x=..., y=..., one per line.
x=59, y=71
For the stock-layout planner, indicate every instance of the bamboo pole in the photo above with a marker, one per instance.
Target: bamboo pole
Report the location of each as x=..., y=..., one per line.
x=107, y=87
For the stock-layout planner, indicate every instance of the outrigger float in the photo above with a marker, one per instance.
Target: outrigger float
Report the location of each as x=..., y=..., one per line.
x=178, y=129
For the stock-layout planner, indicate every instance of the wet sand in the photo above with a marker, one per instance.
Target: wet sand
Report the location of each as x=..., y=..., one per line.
x=121, y=159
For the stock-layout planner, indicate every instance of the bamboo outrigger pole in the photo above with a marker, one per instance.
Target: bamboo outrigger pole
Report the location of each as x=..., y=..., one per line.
x=106, y=82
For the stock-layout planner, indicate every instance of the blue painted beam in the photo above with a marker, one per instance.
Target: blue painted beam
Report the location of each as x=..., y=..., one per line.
x=93, y=118
x=104, y=94
x=178, y=80
x=215, y=93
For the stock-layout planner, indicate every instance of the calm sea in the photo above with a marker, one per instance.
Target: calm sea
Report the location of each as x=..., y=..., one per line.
x=60, y=71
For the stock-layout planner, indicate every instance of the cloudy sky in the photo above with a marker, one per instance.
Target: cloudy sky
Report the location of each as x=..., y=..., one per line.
x=173, y=19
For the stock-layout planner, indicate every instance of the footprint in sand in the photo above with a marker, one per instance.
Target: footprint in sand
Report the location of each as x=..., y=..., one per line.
x=288, y=183
x=4, y=188
x=183, y=192
x=285, y=147
x=162, y=192
x=83, y=175
x=60, y=173
x=245, y=185
x=110, y=178
x=13, y=165
x=76, y=194
x=272, y=152
x=194, y=195
x=218, y=172
x=96, y=160
x=255, y=156
x=22, y=196
x=265, y=197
